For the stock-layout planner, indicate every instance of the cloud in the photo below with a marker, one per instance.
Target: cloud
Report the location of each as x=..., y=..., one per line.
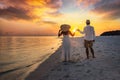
x=54, y=3
x=49, y=22
x=28, y=9
x=86, y=3
x=14, y=13
x=109, y=7
x=14, y=3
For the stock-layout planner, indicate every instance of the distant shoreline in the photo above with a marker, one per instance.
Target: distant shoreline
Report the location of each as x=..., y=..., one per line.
x=111, y=33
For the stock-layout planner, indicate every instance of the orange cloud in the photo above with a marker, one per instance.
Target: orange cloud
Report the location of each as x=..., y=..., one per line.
x=32, y=9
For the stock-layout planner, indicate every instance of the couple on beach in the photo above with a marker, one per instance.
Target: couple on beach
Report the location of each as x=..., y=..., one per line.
x=89, y=38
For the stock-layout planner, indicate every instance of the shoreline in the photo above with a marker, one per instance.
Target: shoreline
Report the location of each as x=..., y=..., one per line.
x=44, y=68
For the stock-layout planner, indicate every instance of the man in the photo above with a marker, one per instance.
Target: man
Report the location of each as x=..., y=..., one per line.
x=88, y=38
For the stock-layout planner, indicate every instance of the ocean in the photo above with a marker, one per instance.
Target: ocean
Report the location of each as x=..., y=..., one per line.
x=19, y=52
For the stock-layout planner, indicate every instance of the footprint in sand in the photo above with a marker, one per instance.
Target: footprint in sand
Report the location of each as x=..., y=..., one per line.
x=66, y=76
x=78, y=65
x=88, y=71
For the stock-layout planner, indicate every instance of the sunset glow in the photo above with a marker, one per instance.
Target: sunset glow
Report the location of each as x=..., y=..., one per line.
x=44, y=17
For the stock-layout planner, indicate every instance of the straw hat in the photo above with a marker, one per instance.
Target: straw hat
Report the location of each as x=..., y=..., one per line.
x=65, y=27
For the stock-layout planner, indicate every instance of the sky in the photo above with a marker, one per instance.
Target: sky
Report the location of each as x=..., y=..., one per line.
x=44, y=17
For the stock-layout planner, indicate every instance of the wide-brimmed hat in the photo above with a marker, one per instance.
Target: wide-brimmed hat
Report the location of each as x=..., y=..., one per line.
x=65, y=27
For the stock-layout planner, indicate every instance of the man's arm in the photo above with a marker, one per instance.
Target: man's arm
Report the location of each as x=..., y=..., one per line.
x=82, y=32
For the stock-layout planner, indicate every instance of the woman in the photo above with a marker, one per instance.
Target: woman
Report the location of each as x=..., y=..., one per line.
x=66, y=40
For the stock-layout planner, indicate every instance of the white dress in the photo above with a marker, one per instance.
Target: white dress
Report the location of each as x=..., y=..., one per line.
x=66, y=48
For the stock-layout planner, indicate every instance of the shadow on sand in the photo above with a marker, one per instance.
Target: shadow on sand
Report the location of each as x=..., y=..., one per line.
x=44, y=68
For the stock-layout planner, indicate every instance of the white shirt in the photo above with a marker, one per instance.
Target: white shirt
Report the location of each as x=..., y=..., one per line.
x=89, y=33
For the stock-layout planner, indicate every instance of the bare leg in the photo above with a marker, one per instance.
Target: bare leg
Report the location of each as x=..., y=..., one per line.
x=92, y=51
x=87, y=53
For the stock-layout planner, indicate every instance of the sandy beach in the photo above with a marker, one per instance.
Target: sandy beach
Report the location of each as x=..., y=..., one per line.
x=106, y=65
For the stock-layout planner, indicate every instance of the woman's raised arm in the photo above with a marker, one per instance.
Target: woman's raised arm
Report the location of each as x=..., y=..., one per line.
x=72, y=34
x=59, y=33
